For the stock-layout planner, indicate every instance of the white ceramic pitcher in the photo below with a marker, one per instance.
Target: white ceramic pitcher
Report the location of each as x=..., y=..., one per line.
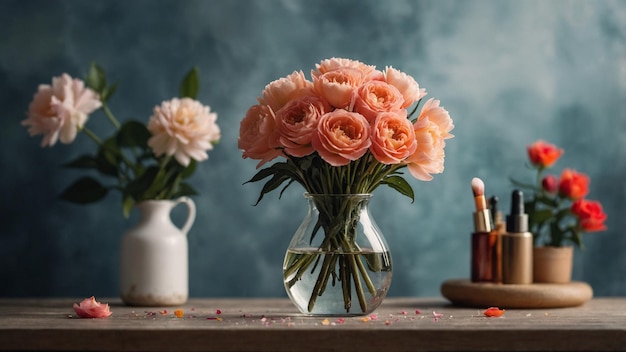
x=154, y=268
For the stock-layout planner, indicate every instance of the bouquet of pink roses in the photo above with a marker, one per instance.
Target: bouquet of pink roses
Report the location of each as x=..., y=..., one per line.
x=348, y=130
x=149, y=162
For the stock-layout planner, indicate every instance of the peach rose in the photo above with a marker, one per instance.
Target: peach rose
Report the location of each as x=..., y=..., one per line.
x=90, y=308
x=61, y=110
x=393, y=137
x=257, y=135
x=336, y=86
x=406, y=85
x=341, y=137
x=573, y=184
x=374, y=97
x=297, y=121
x=432, y=128
x=183, y=128
x=328, y=65
x=277, y=93
x=542, y=154
x=590, y=215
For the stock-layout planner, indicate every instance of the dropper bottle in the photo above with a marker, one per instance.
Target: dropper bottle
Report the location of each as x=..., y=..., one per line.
x=517, y=244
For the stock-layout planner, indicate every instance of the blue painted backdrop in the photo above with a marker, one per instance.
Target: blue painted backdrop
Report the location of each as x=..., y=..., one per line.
x=508, y=72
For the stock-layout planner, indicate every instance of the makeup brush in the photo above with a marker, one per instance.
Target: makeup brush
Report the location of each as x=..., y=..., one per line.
x=478, y=187
x=482, y=216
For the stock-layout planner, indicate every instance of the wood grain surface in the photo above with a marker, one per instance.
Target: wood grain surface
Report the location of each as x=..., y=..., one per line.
x=400, y=324
x=463, y=292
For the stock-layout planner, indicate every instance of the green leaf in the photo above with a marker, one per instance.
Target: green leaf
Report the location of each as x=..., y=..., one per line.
x=190, y=85
x=184, y=189
x=133, y=134
x=96, y=79
x=107, y=159
x=189, y=170
x=272, y=184
x=107, y=92
x=269, y=171
x=84, y=190
x=138, y=187
x=401, y=185
x=127, y=205
x=541, y=216
x=83, y=162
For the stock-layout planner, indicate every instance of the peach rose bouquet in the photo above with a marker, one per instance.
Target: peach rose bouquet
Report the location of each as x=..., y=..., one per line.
x=558, y=212
x=345, y=131
x=148, y=161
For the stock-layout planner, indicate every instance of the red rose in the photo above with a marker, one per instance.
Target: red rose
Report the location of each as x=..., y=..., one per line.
x=550, y=184
x=590, y=215
x=573, y=185
x=543, y=154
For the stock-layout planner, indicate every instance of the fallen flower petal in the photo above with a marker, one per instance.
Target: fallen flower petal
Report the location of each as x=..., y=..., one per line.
x=179, y=313
x=436, y=316
x=493, y=312
x=90, y=308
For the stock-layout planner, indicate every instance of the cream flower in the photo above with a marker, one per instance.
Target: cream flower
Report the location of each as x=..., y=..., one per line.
x=183, y=128
x=61, y=110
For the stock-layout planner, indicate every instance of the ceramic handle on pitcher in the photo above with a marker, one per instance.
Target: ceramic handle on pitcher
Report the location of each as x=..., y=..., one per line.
x=191, y=216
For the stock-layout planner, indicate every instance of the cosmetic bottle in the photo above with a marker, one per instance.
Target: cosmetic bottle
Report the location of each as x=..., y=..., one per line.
x=498, y=229
x=484, y=241
x=517, y=244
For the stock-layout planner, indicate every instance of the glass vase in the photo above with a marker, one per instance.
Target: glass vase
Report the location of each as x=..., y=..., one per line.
x=338, y=262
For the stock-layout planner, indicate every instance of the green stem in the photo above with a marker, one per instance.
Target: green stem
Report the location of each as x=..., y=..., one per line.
x=357, y=282
x=110, y=116
x=92, y=135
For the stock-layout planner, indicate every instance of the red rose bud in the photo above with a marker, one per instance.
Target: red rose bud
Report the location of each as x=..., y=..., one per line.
x=573, y=185
x=550, y=184
x=590, y=215
x=543, y=154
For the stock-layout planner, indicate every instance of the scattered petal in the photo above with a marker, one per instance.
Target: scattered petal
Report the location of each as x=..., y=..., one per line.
x=493, y=312
x=179, y=313
x=90, y=308
x=417, y=311
x=437, y=316
x=373, y=316
x=325, y=322
x=218, y=312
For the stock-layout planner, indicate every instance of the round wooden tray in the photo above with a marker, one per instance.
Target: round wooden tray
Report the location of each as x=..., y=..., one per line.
x=463, y=292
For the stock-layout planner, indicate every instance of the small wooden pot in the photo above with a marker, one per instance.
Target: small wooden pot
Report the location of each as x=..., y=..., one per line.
x=553, y=264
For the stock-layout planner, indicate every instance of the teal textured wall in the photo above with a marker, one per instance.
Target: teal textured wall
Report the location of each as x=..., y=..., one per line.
x=508, y=72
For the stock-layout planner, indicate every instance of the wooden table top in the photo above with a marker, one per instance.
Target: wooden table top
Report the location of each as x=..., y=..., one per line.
x=400, y=324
